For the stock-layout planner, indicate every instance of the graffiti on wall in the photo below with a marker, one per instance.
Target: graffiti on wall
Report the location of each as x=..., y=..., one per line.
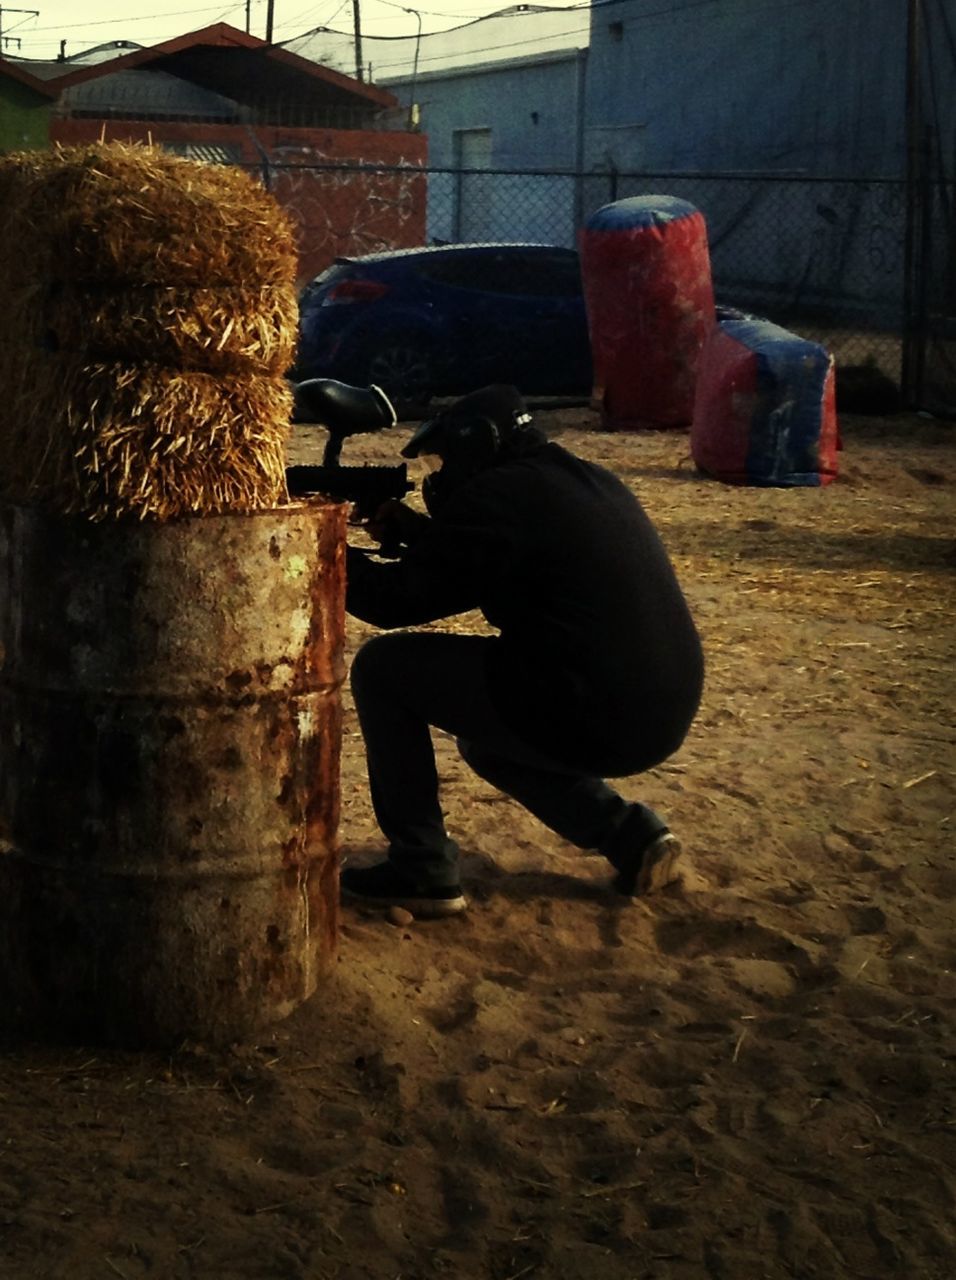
x=343, y=210
x=349, y=191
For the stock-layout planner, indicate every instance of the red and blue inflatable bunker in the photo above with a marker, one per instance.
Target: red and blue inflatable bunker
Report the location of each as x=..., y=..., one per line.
x=645, y=267
x=765, y=411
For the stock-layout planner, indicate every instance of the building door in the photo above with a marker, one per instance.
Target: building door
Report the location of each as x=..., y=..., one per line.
x=473, y=204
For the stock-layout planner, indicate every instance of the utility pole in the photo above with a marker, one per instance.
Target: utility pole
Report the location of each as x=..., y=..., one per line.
x=357, y=22
x=31, y=13
x=413, y=105
x=270, y=14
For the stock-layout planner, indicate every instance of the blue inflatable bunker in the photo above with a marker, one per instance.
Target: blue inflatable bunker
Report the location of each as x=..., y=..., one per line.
x=765, y=406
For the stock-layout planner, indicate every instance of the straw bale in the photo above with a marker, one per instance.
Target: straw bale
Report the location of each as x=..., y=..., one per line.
x=127, y=214
x=224, y=330
x=24, y=303
x=81, y=222
x=111, y=441
x=151, y=306
x=20, y=173
x=35, y=454
x=24, y=249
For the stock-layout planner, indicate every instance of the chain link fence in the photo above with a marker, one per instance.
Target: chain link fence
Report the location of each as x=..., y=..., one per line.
x=823, y=258
x=931, y=351
x=820, y=257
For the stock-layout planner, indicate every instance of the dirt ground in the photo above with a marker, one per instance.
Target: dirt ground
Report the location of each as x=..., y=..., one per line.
x=751, y=1076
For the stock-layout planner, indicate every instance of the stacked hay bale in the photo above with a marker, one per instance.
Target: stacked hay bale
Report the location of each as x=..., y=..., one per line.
x=151, y=316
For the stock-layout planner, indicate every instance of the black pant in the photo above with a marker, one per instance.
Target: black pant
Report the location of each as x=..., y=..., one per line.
x=403, y=682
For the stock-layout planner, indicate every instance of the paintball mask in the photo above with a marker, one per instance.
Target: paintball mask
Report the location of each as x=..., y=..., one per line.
x=467, y=437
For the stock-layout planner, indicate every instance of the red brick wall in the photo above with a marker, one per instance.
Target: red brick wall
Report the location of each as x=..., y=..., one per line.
x=336, y=211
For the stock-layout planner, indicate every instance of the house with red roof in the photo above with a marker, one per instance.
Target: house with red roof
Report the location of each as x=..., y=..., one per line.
x=334, y=150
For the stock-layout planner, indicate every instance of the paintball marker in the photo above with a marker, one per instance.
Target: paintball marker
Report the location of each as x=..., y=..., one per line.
x=345, y=411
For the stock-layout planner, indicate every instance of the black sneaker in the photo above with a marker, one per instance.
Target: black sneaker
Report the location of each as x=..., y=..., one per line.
x=654, y=866
x=383, y=885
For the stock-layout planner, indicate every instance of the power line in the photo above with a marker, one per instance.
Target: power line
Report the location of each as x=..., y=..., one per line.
x=492, y=48
x=29, y=12
x=671, y=10
x=127, y=20
x=432, y=13
x=287, y=22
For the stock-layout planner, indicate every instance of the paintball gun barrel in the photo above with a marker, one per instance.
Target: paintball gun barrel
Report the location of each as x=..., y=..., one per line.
x=345, y=411
x=366, y=487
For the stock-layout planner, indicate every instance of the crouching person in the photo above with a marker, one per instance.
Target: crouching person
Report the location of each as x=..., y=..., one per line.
x=596, y=671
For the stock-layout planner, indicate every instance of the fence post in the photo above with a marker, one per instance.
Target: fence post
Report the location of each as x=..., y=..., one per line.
x=580, y=96
x=926, y=266
x=915, y=212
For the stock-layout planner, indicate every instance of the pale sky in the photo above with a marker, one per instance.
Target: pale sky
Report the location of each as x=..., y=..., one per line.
x=40, y=25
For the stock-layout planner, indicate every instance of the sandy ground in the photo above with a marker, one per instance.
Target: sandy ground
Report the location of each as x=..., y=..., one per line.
x=751, y=1076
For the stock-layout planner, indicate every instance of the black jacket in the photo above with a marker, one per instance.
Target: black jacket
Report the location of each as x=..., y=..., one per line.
x=598, y=661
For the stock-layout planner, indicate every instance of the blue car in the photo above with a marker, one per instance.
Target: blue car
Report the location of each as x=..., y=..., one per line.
x=446, y=319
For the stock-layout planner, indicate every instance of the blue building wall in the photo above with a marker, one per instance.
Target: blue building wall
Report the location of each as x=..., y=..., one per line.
x=532, y=112
x=792, y=93
x=530, y=109
x=784, y=121
x=815, y=87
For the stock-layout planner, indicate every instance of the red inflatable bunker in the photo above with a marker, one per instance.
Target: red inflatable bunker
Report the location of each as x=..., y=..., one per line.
x=645, y=268
x=765, y=412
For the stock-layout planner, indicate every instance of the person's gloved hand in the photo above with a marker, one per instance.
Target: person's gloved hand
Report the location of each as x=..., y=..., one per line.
x=395, y=525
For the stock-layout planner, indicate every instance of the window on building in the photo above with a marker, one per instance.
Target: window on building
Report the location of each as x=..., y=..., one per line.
x=473, y=148
x=211, y=152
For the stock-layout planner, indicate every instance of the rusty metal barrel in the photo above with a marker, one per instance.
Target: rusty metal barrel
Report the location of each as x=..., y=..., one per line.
x=170, y=726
